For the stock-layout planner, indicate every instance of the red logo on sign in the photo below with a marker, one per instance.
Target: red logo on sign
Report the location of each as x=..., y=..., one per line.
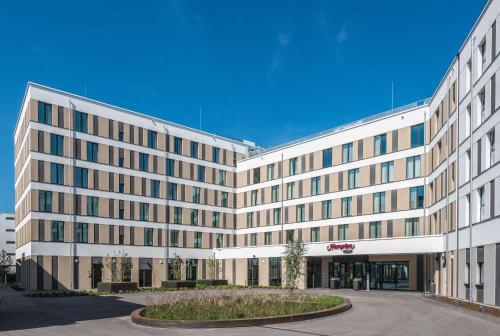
x=342, y=246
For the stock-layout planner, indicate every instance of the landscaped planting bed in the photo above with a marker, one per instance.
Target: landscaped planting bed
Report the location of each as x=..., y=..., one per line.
x=210, y=306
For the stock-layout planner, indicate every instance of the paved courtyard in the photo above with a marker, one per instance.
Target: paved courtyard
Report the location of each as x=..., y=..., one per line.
x=373, y=313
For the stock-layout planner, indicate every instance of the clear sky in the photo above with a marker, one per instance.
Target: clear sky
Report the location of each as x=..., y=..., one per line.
x=267, y=71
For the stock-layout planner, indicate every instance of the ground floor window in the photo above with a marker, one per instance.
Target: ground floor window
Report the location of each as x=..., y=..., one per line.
x=191, y=269
x=253, y=272
x=275, y=271
x=145, y=272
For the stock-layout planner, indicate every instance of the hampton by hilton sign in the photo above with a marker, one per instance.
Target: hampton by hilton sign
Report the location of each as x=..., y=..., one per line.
x=344, y=247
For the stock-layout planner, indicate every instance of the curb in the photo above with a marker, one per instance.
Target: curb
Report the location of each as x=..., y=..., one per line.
x=137, y=318
x=480, y=307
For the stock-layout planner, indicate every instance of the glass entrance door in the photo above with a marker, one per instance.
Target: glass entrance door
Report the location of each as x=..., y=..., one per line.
x=389, y=275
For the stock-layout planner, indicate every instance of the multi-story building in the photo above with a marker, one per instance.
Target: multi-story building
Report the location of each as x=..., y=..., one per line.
x=401, y=200
x=8, y=237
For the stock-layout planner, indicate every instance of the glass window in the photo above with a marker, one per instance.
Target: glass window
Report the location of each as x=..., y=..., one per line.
x=196, y=195
x=249, y=219
x=346, y=206
x=143, y=211
x=253, y=197
x=222, y=177
x=194, y=149
x=174, y=238
x=315, y=234
x=375, y=229
x=177, y=145
x=223, y=199
x=81, y=232
x=353, y=178
x=268, y=240
x=256, y=175
x=326, y=209
x=274, y=193
x=300, y=213
x=413, y=167
x=201, y=173
x=274, y=270
x=270, y=171
x=194, y=216
x=215, y=154
x=44, y=113
x=293, y=166
x=276, y=216
x=379, y=202
x=56, y=173
x=172, y=191
x=387, y=171
x=81, y=177
x=417, y=197
x=92, y=154
x=412, y=226
x=343, y=231
x=152, y=139
x=316, y=185
x=327, y=158
x=57, y=231
x=197, y=239
x=219, y=241
x=148, y=237
x=56, y=144
x=491, y=144
x=177, y=215
x=347, y=152
x=417, y=135
x=170, y=167
x=380, y=145
x=81, y=122
x=215, y=219
x=155, y=188
x=143, y=162
x=92, y=206
x=253, y=239
x=45, y=201
x=290, y=190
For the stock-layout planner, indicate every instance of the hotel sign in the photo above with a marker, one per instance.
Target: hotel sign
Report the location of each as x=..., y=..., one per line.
x=344, y=247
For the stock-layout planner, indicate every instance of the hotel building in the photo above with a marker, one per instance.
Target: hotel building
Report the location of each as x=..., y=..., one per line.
x=406, y=199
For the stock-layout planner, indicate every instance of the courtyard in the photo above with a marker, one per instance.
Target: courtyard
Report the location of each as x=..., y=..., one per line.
x=373, y=313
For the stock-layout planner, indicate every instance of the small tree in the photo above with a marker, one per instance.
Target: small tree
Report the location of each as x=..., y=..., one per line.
x=294, y=259
x=119, y=265
x=176, y=264
x=6, y=263
x=213, y=268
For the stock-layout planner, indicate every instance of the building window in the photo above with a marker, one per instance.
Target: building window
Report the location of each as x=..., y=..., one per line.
x=56, y=173
x=194, y=216
x=222, y=177
x=387, y=171
x=155, y=188
x=44, y=113
x=274, y=193
x=172, y=191
x=143, y=162
x=92, y=151
x=81, y=177
x=347, y=152
x=315, y=185
x=56, y=144
x=148, y=237
x=326, y=209
x=121, y=235
x=253, y=197
x=274, y=271
x=353, y=178
x=375, y=230
x=327, y=158
x=413, y=167
x=45, y=201
x=412, y=227
x=249, y=219
x=270, y=172
x=215, y=154
x=143, y=211
x=152, y=139
x=81, y=232
x=177, y=145
x=482, y=215
x=177, y=215
x=491, y=149
x=81, y=122
x=223, y=199
x=301, y=213
x=481, y=107
x=290, y=186
x=215, y=219
x=380, y=145
x=256, y=175
x=268, y=240
x=315, y=234
x=417, y=197
x=346, y=206
x=170, y=167
x=417, y=135
x=219, y=241
x=276, y=216
x=379, y=202
x=343, y=231
x=289, y=236
x=196, y=195
x=174, y=238
x=197, y=240
x=92, y=206
x=482, y=57
x=293, y=166
x=57, y=231
x=253, y=239
x=193, y=149
x=201, y=173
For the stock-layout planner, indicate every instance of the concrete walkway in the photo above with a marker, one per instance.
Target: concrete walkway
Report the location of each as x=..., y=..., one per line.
x=373, y=313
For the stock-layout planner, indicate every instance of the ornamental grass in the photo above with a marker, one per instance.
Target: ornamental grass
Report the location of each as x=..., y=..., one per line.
x=233, y=305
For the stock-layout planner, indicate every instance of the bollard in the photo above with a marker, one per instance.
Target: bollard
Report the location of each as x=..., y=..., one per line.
x=367, y=282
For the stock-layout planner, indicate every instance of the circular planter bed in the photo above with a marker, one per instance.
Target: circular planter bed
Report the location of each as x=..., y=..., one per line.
x=236, y=310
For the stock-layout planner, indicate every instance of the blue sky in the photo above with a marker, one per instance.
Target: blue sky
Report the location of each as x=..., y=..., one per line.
x=268, y=71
